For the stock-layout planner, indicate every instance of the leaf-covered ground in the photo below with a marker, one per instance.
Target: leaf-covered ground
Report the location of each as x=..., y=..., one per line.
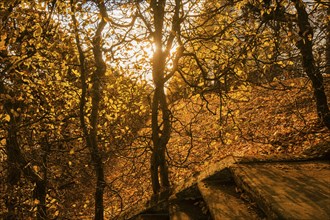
x=277, y=119
x=270, y=120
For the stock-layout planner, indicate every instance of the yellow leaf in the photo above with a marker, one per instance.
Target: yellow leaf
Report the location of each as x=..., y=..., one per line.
x=310, y=37
x=3, y=142
x=71, y=151
x=38, y=31
x=239, y=72
x=7, y=118
x=3, y=42
x=35, y=168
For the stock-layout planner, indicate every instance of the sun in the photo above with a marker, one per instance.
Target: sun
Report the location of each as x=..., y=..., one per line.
x=136, y=58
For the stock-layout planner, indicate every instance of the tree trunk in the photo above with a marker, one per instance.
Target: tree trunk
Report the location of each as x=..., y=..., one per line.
x=305, y=46
x=40, y=192
x=161, y=130
x=159, y=137
x=159, y=169
x=165, y=137
x=327, y=69
x=91, y=135
x=97, y=78
x=17, y=164
x=154, y=164
x=14, y=172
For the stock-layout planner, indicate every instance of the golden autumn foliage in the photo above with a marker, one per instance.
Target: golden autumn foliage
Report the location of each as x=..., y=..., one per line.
x=92, y=93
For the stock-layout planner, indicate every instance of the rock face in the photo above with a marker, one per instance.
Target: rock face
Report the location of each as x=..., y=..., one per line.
x=241, y=188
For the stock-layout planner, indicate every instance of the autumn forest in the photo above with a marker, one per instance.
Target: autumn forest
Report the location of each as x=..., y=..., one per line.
x=105, y=103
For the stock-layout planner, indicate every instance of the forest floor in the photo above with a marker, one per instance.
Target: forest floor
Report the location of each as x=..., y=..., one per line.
x=277, y=120
x=274, y=120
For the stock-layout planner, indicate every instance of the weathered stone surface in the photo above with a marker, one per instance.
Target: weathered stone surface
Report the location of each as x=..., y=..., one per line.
x=152, y=216
x=217, y=169
x=224, y=203
x=298, y=190
x=186, y=210
x=285, y=188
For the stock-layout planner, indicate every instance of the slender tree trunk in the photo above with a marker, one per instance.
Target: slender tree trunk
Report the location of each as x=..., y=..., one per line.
x=18, y=164
x=155, y=151
x=97, y=79
x=40, y=193
x=160, y=136
x=165, y=137
x=91, y=135
x=161, y=127
x=159, y=169
x=14, y=172
x=305, y=46
x=327, y=69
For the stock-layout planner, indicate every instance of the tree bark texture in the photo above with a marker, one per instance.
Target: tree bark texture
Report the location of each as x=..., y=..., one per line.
x=14, y=172
x=40, y=193
x=327, y=68
x=159, y=169
x=160, y=130
x=91, y=135
x=17, y=163
x=305, y=46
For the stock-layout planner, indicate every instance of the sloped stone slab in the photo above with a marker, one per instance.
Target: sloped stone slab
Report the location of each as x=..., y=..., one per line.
x=218, y=170
x=224, y=203
x=299, y=190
